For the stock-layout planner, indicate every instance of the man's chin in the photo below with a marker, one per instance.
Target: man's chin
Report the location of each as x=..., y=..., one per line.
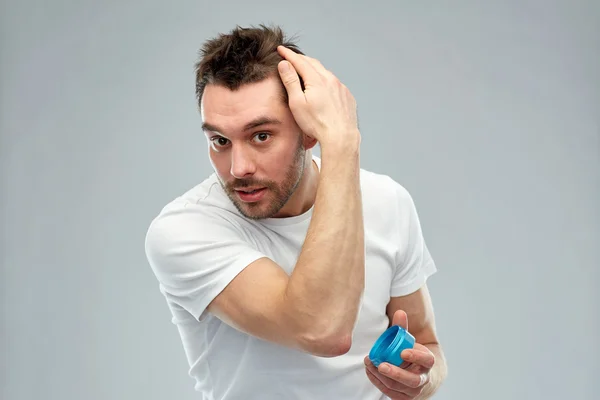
x=254, y=211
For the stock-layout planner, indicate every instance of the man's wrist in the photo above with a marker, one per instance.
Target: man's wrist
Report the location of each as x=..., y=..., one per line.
x=437, y=374
x=350, y=146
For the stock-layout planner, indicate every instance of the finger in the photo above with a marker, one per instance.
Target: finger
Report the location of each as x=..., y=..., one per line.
x=388, y=382
x=368, y=362
x=304, y=68
x=403, y=376
x=391, y=393
x=401, y=319
x=319, y=67
x=316, y=64
x=291, y=81
x=423, y=358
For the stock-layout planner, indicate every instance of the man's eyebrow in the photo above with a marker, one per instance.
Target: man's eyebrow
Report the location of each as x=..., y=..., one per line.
x=255, y=123
x=261, y=121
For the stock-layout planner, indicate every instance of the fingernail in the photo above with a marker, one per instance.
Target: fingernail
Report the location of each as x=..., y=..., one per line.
x=284, y=66
x=384, y=368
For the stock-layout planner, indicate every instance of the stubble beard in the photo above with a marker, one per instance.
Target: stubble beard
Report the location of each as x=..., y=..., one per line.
x=281, y=193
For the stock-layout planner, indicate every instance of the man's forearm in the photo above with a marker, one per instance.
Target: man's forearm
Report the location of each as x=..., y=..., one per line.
x=437, y=374
x=326, y=286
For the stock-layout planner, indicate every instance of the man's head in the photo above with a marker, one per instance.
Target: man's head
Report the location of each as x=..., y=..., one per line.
x=254, y=141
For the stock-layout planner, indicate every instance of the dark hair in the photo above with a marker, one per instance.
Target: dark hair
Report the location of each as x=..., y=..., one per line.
x=244, y=55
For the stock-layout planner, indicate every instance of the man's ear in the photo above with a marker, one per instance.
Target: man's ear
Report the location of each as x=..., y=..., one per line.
x=309, y=142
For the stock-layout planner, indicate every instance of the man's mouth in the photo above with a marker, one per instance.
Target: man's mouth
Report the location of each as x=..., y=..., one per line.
x=250, y=195
x=246, y=190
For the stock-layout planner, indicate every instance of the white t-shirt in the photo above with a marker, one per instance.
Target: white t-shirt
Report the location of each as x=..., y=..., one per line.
x=199, y=242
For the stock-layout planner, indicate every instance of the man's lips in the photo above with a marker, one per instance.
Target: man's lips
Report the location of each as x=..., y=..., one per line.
x=251, y=195
x=247, y=190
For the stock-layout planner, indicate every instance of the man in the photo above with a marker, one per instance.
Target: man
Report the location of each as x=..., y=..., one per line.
x=282, y=269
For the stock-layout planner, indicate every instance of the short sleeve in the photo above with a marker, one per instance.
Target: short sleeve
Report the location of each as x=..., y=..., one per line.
x=414, y=264
x=195, y=255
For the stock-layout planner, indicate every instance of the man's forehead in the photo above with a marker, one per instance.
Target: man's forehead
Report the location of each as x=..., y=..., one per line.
x=249, y=106
x=221, y=98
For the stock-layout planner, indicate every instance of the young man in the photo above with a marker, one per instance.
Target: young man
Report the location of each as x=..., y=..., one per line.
x=282, y=269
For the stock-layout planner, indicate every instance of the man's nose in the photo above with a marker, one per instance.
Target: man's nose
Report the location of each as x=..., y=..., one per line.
x=242, y=162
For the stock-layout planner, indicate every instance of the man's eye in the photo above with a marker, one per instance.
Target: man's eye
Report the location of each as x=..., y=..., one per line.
x=263, y=136
x=220, y=141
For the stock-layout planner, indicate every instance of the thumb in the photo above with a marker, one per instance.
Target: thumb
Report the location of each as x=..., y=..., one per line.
x=401, y=319
x=290, y=80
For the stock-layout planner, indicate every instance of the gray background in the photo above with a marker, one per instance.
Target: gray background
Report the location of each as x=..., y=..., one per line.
x=487, y=112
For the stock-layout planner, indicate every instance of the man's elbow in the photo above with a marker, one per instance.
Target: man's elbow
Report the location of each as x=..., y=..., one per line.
x=333, y=345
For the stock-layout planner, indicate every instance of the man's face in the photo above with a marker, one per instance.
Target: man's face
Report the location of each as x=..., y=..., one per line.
x=256, y=147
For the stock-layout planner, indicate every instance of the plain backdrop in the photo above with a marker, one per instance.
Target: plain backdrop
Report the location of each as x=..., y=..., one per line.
x=487, y=112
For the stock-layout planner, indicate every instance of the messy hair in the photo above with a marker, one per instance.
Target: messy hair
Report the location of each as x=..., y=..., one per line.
x=242, y=56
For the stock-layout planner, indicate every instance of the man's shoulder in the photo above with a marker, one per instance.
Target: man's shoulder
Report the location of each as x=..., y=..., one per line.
x=383, y=190
x=201, y=209
x=207, y=196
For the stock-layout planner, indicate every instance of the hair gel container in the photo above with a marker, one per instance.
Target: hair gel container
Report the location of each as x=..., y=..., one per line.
x=390, y=344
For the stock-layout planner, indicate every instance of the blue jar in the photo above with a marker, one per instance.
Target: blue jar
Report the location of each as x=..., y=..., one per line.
x=390, y=345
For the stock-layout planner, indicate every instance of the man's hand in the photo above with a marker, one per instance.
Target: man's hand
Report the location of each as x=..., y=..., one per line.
x=325, y=109
x=408, y=380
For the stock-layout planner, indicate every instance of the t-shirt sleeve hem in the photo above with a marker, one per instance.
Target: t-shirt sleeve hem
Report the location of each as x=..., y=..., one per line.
x=198, y=308
x=416, y=283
